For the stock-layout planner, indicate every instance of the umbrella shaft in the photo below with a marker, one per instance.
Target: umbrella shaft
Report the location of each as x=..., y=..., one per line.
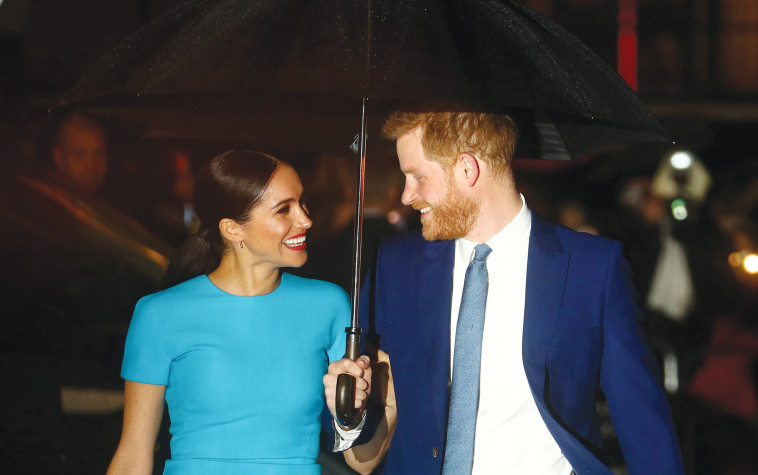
x=358, y=228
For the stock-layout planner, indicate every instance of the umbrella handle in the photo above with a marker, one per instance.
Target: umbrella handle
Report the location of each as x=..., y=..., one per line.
x=344, y=402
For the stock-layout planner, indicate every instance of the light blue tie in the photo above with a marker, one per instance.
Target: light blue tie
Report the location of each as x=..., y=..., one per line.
x=464, y=396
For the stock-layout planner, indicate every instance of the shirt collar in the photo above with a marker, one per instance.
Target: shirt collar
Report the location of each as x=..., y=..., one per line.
x=503, y=240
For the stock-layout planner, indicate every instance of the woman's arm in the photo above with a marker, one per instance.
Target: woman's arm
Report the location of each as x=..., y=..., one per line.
x=365, y=458
x=143, y=411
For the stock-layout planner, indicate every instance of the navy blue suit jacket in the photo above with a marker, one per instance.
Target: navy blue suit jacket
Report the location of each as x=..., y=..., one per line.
x=581, y=331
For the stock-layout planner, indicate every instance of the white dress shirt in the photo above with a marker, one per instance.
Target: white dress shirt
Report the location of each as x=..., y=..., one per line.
x=511, y=437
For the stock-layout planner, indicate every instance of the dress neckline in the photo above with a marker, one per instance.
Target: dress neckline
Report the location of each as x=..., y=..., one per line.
x=284, y=277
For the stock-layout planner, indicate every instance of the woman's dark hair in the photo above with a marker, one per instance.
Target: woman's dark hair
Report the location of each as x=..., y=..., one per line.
x=229, y=186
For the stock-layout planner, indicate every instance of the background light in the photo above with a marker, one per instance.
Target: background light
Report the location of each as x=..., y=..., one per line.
x=681, y=160
x=751, y=263
x=679, y=209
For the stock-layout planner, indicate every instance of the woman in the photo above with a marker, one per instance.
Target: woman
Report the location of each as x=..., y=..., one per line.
x=239, y=350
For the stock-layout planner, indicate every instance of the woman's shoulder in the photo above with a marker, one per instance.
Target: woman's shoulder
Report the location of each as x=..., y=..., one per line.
x=184, y=292
x=313, y=286
x=318, y=301
x=305, y=283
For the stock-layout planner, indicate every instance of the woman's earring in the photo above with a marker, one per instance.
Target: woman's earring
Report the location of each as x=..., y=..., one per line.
x=240, y=243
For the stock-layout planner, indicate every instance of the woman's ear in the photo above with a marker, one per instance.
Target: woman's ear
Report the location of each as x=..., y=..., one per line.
x=469, y=166
x=231, y=230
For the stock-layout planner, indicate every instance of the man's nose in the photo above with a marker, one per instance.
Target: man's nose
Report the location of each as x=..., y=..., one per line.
x=94, y=159
x=409, y=194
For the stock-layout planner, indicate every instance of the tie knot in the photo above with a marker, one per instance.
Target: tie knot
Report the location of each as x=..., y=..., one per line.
x=481, y=251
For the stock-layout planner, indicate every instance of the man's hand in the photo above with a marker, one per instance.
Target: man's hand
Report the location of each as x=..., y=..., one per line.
x=366, y=457
x=361, y=370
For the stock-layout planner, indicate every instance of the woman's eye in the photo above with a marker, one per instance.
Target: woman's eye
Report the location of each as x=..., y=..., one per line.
x=284, y=210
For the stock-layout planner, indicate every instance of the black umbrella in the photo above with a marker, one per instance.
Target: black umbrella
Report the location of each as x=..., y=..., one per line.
x=293, y=73
x=313, y=74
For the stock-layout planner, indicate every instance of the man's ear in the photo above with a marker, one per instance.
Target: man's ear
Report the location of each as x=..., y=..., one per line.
x=469, y=166
x=231, y=230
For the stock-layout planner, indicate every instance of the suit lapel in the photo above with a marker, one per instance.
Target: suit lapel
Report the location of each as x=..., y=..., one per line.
x=435, y=284
x=547, y=268
x=547, y=271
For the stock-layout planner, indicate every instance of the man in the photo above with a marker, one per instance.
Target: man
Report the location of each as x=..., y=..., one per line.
x=559, y=321
x=80, y=150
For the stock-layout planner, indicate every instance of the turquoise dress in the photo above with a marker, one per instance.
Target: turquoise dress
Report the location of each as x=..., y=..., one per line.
x=243, y=375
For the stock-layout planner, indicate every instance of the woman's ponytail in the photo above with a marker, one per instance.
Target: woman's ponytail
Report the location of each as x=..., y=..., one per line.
x=198, y=255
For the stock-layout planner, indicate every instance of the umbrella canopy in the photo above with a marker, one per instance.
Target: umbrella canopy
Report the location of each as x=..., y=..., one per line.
x=292, y=74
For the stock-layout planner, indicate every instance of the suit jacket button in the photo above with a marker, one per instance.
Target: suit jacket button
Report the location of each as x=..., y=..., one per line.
x=435, y=452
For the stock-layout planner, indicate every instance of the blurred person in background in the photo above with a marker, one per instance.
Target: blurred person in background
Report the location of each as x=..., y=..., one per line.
x=98, y=160
x=171, y=213
x=332, y=182
x=724, y=388
x=668, y=240
x=676, y=228
x=80, y=150
x=573, y=214
x=66, y=306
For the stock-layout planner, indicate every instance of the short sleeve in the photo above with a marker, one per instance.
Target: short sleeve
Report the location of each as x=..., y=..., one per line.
x=147, y=357
x=340, y=322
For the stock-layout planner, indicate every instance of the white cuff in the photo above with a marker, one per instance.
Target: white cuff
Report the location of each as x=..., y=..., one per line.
x=343, y=439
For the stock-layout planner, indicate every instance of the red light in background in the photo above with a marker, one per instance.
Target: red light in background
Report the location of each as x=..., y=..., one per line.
x=181, y=162
x=627, y=41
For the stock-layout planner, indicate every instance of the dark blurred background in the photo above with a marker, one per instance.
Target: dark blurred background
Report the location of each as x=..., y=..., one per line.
x=77, y=255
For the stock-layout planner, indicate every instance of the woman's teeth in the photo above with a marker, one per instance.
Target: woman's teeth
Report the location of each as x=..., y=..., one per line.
x=294, y=242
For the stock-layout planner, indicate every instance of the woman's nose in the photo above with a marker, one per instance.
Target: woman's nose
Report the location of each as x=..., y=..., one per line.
x=304, y=221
